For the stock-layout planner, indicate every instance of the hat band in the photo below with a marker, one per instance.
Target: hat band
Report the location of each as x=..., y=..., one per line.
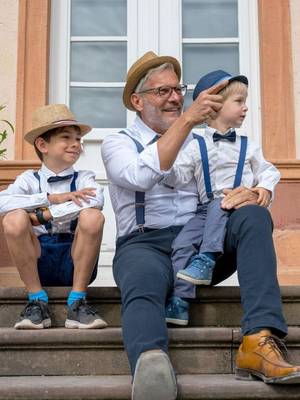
x=64, y=120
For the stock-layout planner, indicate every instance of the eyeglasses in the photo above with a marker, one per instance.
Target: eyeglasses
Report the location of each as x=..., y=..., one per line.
x=166, y=91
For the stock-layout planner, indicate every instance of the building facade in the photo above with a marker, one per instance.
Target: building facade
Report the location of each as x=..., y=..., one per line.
x=78, y=51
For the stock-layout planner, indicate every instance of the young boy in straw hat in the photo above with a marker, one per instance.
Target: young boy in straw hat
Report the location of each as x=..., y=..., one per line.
x=218, y=159
x=53, y=221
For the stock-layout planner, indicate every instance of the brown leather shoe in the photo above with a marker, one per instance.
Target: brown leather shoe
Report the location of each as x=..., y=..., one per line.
x=264, y=356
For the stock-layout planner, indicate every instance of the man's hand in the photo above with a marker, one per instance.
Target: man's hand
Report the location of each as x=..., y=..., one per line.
x=238, y=197
x=206, y=105
x=264, y=196
x=57, y=198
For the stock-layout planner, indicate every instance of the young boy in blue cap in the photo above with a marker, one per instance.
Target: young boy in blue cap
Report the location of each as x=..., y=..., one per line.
x=53, y=221
x=219, y=160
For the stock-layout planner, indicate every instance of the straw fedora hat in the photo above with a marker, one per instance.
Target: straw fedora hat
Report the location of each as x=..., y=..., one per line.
x=52, y=116
x=140, y=68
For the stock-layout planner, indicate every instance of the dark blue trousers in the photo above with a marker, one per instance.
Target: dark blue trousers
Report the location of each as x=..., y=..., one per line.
x=143, y=272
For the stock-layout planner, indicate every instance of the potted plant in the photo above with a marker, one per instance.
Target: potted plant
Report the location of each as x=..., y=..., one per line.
x=4, y=133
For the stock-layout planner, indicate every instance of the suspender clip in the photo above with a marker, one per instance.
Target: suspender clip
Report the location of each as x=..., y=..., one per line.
x=141, y=228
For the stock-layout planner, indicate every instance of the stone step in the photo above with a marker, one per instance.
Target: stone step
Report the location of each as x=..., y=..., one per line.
x=62, y=351
x=190, y=387
x=217, y=306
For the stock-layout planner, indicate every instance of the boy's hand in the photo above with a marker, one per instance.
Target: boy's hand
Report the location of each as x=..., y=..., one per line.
x=33, y=218
x=264, y=196
x=58, y=198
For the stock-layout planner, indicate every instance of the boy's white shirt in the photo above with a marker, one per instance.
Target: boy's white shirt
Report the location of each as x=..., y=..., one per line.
x=223, y=157
x=25, y=194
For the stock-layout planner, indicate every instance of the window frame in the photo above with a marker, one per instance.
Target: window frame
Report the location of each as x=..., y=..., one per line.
x=150, y=26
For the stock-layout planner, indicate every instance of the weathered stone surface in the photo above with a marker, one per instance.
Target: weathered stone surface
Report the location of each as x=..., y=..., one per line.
x=190, y=387
x=217, y=306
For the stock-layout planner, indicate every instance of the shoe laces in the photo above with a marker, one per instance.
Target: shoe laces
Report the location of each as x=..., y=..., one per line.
x=275, y=344
x=83, y=305
x=31, y=306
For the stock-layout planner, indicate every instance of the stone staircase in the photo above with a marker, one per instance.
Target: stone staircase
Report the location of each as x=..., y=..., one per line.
x=74, y=364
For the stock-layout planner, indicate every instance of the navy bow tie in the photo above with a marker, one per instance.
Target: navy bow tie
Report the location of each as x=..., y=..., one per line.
x=59, y=178
x=230, y=136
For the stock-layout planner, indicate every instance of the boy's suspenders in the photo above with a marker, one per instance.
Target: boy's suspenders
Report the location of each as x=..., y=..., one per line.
x=139, y=196
x=73, y=223
x=205, y=164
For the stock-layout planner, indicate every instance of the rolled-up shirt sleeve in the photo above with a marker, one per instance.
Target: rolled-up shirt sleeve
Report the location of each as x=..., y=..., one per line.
x=69, y=210
x=265, y=174
x=17, y=196
x=129, y=169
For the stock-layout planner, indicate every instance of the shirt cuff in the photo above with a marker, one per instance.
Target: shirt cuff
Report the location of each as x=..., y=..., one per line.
x=150, y=158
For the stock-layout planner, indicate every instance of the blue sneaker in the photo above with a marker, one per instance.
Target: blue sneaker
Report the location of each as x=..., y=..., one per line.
x=199, y=271
x=177, y=311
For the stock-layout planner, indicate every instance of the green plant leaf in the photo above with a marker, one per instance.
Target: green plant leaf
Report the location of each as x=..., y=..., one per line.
x=9, y=124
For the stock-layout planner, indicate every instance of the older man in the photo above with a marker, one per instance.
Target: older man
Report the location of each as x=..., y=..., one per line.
x=149, y=215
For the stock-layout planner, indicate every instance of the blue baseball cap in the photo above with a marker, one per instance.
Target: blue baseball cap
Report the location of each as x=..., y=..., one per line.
x=214, y=77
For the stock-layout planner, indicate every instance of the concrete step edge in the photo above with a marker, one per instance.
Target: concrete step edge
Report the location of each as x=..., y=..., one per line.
x=118, y=387
x=112, y=294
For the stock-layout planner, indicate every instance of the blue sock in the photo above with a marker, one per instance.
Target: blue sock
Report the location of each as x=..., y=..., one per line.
x=41, y=295
x=73, y=296
x=212, y=256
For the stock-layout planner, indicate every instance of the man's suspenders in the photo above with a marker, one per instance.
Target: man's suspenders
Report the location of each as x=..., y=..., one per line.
x=139, y=196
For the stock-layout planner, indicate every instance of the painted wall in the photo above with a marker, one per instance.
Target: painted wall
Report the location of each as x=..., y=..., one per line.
x=8, y=64
x=295, y=27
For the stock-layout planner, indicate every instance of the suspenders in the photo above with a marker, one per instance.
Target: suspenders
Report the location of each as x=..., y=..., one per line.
x=139, y=196
x=205, y=164
x=73, y=223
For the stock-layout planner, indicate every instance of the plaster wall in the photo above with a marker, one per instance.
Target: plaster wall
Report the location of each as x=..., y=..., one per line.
x=295, y=29
x=8, y=65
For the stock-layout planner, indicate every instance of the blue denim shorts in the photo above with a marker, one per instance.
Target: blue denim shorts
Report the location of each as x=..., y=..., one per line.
x=55, y=266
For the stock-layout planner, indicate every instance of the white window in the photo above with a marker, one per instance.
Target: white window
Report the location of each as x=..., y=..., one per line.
x=94, y=42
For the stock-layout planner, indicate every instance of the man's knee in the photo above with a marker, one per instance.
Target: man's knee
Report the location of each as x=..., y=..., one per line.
x=91, y=221
x=15, y=223
x=252, y=216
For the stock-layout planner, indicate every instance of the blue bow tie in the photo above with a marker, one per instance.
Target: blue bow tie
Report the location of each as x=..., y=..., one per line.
x=59, y=178
x=230, y=136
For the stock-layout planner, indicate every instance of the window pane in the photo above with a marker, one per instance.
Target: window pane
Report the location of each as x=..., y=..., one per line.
x=199, y=59
x=98, y=18
x=103, y=62
x=209, y=18
x=100, y=107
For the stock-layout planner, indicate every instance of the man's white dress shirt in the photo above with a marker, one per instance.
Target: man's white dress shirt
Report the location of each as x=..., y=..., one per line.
x=129, y=171
x=25, y=194
x=223, y=157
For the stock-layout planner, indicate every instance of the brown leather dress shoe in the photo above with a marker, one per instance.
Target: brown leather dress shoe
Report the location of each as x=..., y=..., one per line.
x=264, y=356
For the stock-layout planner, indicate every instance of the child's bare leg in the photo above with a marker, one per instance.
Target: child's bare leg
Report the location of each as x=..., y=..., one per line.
x=86, y=245
x=24, y=247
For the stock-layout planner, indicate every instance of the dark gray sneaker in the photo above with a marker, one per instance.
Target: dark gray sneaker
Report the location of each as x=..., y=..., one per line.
x=81, y=315
x=154, y=377
x=34, y=316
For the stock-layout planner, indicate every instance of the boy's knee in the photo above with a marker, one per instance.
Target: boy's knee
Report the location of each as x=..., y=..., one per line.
x=91, y=221
x=15, y=222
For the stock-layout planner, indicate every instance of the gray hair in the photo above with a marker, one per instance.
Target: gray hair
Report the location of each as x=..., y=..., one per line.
x=160, y=68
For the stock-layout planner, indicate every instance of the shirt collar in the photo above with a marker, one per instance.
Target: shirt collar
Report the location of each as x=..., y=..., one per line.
x=210, y=131
x=47, y=172
x=142, y=131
